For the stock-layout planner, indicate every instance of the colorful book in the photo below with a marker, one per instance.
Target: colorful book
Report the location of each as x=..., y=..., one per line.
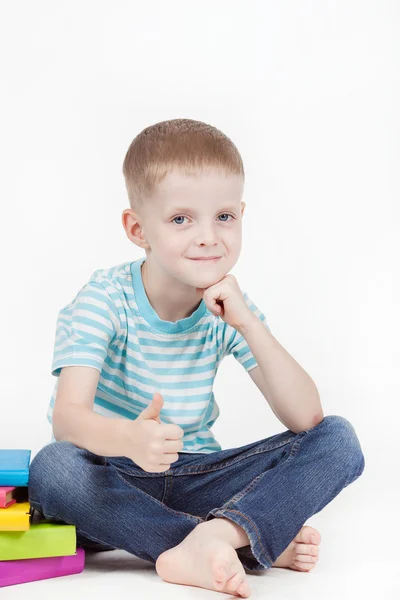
x=7, y=496
x=10, y=494
x=16, y=517
x=14, y=467
x=41, y=540
x=34, y=569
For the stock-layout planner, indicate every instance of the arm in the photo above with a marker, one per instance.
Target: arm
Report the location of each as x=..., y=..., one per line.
x=288, y=389
x=74, y=419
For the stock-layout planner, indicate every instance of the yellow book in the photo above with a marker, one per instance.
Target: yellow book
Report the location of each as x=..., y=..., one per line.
x=15, y=517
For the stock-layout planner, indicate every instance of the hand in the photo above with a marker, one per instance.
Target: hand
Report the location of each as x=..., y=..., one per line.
x=225, y=299
x=153, y=445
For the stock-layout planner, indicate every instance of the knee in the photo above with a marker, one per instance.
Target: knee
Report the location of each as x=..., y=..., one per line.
x=342, y=444
x=53, y=473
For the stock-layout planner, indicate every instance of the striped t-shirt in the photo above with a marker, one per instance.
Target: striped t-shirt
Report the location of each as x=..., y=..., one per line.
x=111, y=326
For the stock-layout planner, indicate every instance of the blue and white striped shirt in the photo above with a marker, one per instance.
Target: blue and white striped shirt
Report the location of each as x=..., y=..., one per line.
x=111, y=326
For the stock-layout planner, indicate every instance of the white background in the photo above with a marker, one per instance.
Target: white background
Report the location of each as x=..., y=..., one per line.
x=309, y=92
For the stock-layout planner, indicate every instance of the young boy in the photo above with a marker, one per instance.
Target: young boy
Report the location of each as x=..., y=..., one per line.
x=133, y=462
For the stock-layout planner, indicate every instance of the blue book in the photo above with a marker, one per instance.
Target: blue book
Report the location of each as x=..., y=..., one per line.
x=14, y=467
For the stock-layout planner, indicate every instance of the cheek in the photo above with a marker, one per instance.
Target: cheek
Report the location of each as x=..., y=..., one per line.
x=234, y=237
x=168, y=243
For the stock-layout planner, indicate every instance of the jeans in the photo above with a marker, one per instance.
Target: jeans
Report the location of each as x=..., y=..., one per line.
x=269, y=487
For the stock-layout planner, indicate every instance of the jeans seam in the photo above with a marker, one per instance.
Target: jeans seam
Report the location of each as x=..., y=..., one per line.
x=167, y=487
x=296, y=446
x=242, y=493
x=294, y=451
x=228, y=462
x=171, y=510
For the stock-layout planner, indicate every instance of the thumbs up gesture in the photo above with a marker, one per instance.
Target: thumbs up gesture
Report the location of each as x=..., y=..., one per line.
x=151, y=444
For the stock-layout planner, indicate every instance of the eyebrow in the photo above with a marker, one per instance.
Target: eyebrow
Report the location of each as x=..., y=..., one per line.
x=193, y=210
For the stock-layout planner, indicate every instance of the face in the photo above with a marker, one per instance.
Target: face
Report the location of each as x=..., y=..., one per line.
x=194, y=217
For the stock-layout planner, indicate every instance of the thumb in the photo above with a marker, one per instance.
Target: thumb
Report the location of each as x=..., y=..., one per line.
x=153, y=410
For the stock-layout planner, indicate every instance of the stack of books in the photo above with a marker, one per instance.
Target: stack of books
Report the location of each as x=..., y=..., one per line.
x=31, y=548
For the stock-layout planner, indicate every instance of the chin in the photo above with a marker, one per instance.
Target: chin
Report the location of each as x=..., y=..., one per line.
x=205, y=275
x=208, y=280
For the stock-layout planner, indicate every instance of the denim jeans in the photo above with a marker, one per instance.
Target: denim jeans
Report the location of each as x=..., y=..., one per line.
x=268, y=487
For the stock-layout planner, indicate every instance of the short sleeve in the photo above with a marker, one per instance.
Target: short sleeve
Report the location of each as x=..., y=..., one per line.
x=85, y=328
x=234, y=343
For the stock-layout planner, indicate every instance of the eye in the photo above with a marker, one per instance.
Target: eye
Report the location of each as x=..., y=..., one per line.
x=182, y=217
x=226, y=215
x=178, y=217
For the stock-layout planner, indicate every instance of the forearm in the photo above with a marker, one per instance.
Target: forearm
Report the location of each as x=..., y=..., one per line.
x=290, y=391
x=86, y=429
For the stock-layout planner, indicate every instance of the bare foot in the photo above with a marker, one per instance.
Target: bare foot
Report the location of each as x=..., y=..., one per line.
x=302, y=552
x=204, y=561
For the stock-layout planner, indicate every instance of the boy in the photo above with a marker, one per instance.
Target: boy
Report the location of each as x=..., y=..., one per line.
x=133, y=462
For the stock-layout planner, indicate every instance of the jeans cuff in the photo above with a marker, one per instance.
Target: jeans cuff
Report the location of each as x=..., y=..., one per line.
x=252, y=556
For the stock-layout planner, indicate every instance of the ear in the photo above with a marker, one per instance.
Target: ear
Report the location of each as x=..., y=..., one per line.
x=132, y=223
x=243, y=205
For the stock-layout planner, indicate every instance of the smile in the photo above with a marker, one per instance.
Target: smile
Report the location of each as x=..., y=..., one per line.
x=206, y=259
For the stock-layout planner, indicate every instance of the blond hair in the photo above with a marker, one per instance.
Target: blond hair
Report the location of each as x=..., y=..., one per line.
x=181, y=144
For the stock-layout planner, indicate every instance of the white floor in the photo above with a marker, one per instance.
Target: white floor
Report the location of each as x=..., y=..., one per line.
x=359, y=558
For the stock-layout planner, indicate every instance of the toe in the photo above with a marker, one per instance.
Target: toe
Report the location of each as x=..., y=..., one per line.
x=300, y=566
x=310, y=549
x=305, y=558
x=234, y=583
x=306, y=535
x=244, y=589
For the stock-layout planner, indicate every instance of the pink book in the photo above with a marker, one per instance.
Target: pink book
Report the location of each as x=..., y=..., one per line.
x=34, y=569
x=7, y=496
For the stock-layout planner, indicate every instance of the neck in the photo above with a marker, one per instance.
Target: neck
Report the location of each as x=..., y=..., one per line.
x=171, y=301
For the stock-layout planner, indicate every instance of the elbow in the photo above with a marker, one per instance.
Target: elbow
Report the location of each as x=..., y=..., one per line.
x=317, y=419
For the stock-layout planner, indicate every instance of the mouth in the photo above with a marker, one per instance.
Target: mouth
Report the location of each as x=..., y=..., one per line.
x=207, y=259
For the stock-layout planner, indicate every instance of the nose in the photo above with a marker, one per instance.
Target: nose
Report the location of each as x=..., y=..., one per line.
x=206, y=236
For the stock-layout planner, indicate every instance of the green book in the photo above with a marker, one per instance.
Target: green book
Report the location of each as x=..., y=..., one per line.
x=41, y=540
